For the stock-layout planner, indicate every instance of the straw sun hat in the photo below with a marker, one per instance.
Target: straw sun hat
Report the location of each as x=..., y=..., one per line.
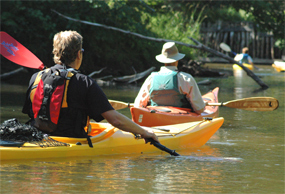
x=169, y=53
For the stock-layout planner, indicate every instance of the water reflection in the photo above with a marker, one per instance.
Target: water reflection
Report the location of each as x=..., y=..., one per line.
x=120, y=174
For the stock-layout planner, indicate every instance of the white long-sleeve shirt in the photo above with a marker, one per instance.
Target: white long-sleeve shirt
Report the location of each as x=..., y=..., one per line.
x=186, y=84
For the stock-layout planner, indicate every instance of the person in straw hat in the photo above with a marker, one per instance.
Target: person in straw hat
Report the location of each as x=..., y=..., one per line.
x=168, y=87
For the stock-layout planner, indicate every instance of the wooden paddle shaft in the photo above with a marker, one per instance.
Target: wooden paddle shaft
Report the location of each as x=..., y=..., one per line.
x=252, y=104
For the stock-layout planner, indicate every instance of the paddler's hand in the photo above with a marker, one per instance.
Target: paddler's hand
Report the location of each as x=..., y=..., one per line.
x=149, y=134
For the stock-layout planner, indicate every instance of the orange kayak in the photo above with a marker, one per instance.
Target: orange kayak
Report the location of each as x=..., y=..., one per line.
x=167, y=115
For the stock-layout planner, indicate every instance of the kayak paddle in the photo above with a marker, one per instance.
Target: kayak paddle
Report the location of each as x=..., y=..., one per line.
x=163, y=148
x=17, y=53
x=159, y=146
x=117, y=105
x=251, y=104
x=227, y=48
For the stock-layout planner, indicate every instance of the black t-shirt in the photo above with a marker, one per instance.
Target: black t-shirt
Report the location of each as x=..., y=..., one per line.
x=83, y=94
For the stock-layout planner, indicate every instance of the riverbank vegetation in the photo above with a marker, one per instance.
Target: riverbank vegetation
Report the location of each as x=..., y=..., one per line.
x=33, y=24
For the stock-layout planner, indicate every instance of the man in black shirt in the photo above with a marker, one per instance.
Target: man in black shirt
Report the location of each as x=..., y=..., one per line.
x=84, y=97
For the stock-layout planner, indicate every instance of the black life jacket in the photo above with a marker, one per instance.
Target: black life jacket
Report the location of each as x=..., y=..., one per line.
x=48, y=96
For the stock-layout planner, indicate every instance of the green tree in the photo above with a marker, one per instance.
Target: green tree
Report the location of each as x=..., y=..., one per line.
x=268, y=16
x=33, y=24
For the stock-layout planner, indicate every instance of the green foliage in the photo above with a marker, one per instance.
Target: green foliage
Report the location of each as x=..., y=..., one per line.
x=177, y=26
x=228, y=14
x=267, y=15
x=34, y=24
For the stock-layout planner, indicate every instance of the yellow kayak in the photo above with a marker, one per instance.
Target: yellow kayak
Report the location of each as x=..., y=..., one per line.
x=237, y=67
x=108, y=140
x=279, y=66
x=239, y=57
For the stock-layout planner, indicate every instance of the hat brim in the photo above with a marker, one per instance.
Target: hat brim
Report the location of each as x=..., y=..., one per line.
x=163, y=59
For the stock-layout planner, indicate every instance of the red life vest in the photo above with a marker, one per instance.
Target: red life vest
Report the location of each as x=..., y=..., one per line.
x=48, y=97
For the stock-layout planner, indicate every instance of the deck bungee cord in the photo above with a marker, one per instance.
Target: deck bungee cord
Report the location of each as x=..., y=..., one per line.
x=14, y=133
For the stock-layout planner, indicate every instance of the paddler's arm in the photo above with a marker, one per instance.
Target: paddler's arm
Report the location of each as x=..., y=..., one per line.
x=124, y=123
x=143, y=96
x=250, y=60
x=188, y=86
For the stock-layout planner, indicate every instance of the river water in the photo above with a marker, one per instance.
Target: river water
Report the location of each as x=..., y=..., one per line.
x=246, y=155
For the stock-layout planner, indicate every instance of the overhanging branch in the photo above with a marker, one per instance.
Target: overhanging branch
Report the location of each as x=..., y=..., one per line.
x=125, y=31
x=198, y=46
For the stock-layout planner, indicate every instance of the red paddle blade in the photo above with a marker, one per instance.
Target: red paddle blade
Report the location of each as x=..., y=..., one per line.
x=17, y=53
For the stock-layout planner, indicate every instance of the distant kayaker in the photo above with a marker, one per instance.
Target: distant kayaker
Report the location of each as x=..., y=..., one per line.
x=84, y=97
x=168, y=87
x=244, y=57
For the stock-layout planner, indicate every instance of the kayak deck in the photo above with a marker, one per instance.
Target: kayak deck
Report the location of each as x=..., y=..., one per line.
x=108, y=140
x=237, y=67
x=166, y=115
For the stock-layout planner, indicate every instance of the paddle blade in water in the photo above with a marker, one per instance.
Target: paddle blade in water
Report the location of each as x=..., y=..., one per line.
x=17, y=53
x=254, y=104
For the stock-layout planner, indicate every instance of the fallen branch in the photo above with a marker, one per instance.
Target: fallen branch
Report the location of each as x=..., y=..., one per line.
x=11, y=73
x=105, y=77
x=135, y=77
x=204, y=82
x=249, y=72
x=124, y=31
x=96, y=72
x=198, y=46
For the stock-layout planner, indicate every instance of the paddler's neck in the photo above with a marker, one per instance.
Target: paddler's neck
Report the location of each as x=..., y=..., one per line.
x=77, y=62
x=172, y=64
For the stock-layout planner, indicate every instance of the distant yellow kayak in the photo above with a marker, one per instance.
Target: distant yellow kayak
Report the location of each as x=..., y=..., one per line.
x=239, y=57
x=108, y=140
x=237, y=67
x=279, y=66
